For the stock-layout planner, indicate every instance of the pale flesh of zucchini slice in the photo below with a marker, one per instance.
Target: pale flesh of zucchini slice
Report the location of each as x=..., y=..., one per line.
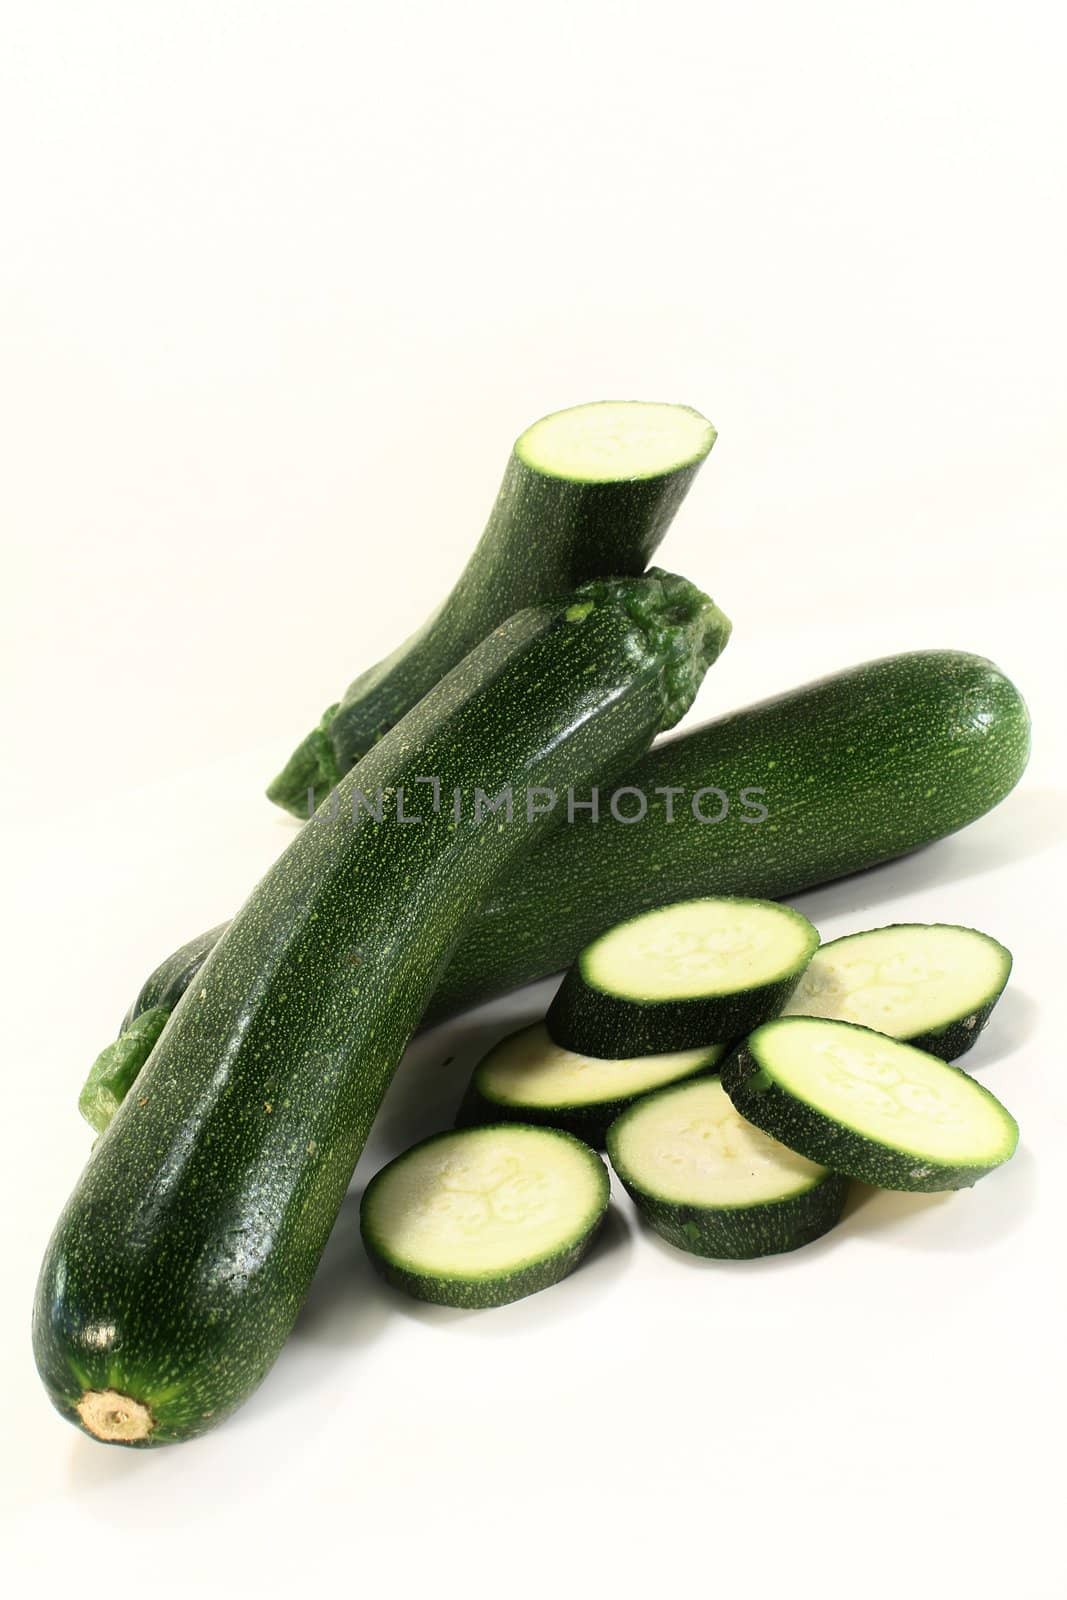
x=690, y=973
x=697, y=948
x=713, y=1184
x=868, y=1105
x=691, y=1145
x=484, y=1215
x=931, y=984
x=609, y=440
x=528, y=1078
x=527, y=1069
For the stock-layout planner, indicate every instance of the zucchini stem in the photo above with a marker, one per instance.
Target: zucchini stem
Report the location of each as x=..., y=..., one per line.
x=113, y=1417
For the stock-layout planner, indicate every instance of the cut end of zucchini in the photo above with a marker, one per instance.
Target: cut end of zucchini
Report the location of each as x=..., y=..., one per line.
x=696, y=948
x=616, y=440
x=115, y=1418
x=483, y=1216
x=931, y=984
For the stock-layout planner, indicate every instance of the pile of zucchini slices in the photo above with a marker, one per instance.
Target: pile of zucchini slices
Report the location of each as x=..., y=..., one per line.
x=738, y=1075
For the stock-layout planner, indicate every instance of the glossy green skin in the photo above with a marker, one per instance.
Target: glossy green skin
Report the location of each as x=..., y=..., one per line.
x=596, y=1022
x=846, y=764
x=589, y=1122
x=956, y=1037
x=176, y=1271
x=164, y=987
x=480, y=1294
x=545, y=536
x=804, y=1128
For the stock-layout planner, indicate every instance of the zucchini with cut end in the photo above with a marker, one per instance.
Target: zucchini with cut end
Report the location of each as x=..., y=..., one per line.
x=691, y=973
x=181, y=1260
x=484, y=1216
x=589, y=492
x=931, y=984
x=710, y=1183
x=527, y=1078
x=842, y=769
x=868, y=1106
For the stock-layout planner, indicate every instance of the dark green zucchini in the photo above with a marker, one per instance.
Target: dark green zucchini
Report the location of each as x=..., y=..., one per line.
x=588, y=493
x=849, y=771
x=855, y=769
x=181, y=1260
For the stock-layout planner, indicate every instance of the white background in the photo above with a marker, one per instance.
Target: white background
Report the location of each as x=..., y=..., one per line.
x=280, y=284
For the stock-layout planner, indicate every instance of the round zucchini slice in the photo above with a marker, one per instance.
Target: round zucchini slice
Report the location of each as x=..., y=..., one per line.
x=710, y=1183
x=931, y=984
x=694, y=973
x=868, y=1105
x=484, y=1216
x=527, y=1078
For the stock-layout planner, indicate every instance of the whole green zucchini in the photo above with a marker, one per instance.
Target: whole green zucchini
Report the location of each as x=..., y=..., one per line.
x=588, y=493
x=857, y=768
x=186, y=1250
x=851, y=770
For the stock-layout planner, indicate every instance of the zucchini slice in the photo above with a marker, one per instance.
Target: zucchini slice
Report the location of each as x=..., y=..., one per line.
x=710, y=1183
x=932, y=984
x=868, y=1106
x=484, y=1216
x=684, y=975
x=527, y=1078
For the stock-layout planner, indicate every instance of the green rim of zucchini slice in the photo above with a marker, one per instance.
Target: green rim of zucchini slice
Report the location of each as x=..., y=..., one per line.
x=932, y=984
x=609, y=441
x=482, y=1216
x=691, y=973
x=868, y=1106
x=528, y=1078
x=710, y=1183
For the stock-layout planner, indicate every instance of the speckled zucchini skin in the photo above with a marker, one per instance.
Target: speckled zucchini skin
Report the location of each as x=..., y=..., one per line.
x=164, y=987
x=498, y=1289
x=855, y=769
x=760, y=1099
x=589, y=1122
x=545, y=536
x=181, y=1260
x=742, y=1233
x=846, y=765
x=594, y=1021
x=956, y=1038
